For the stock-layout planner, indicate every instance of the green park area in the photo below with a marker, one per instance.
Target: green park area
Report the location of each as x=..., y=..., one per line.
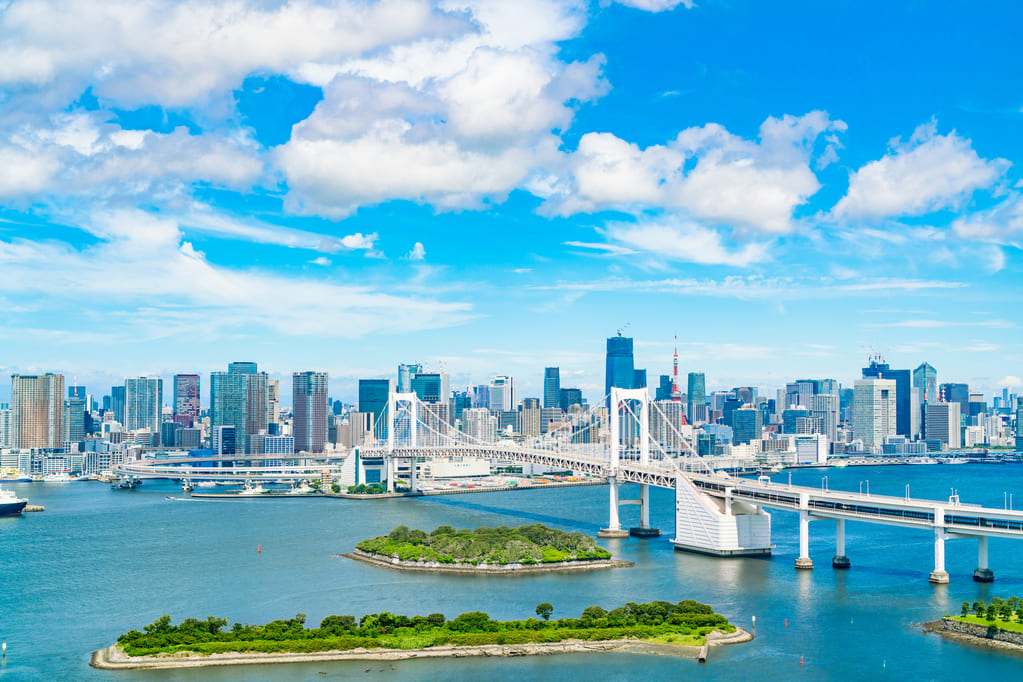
x=526, y=545
x=999, y=614
x=685, y=623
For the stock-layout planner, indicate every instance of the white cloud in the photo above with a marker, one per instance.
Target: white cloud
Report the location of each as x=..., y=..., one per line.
x=1002, y=223
x=179, y=53
x=322, y=260
x=705, y=173
x=684, y=241
x=418, y=252
x=927, y=173
x=153, y=281
x=77, y=153
x=656, y=5
x=1010, y=381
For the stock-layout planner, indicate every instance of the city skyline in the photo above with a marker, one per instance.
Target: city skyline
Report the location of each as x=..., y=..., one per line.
x=500, y=190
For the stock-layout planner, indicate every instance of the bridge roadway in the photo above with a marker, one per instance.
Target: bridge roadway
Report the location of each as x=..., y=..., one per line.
x=948, y=519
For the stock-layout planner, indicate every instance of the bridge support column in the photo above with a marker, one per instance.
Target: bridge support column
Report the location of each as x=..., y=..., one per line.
x=614, y=527
x=644, y=530
x=939, y=576
x=983, y=574
x=390, y=470
x=803, y=561
x=840, y=560
x=413, y=487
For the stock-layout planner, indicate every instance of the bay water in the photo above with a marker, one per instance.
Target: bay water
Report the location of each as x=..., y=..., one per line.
x=99, y=562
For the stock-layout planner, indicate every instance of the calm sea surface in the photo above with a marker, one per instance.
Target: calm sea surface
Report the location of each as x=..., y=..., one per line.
x=99, y=562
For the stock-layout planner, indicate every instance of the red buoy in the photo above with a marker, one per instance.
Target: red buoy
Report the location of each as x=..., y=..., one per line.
x=259, y=549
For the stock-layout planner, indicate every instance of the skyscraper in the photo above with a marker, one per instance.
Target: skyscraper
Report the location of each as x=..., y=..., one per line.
x=551, y=386
x=874, y=411
x=746, y=424
x=117, y=402
x=74, y=419
x=405, y=374
x=6, y=426
x=697, y=397
x=186, y=399
x=431, y=387
x=942, y=423
x=1019, y=424
x=309, y=426
x=238, y=398
x=879, y=369
x=620, y=370
x=273, y=404
x=925, y=378
x=502, y=394
x=956, y=393
x=373, y=396
x=37, y=410
x=143, y=404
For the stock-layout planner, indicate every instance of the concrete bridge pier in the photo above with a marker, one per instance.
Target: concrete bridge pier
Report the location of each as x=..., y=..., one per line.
x=939, y=576
x=803, y=561
x=413, y=480
x=614, y=527
x=644, y=530
x=983, y=574
x=840, y=560
x=391, y=471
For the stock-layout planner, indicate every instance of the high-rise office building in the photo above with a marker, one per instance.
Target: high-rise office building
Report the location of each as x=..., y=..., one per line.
x=1019, y=424
x=481, y=395
x=619, y=368
x=942, y=423
x=143, y=404
x=238, y=398
x=746, y=424
x=373, y=397
x=186, y=399
x=955, y=393
x=37, y=410
x=273, y=404
x=925, y=378
x=697, y=398
x=551, y=386
x=405, y=374
x=117, y=403
x=879, y=369
x=568, y=397
x=74, y=419
x=874, y=411
x=309, y=424
x=663, y=390
x=431, y=387
x=639, y=378
x=824, y=406
x=6, y=426
x=502, y=394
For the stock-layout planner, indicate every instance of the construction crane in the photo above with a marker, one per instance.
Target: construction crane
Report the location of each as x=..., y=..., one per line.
x=626, y=326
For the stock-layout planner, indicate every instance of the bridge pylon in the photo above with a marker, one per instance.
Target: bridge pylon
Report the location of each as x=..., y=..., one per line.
x=619, y=407
x=411, y=400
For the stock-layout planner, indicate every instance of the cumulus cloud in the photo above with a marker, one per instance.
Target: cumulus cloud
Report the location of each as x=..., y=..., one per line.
x=77, y=153
x=178, y=53
x=418, y=252
x=705, y=173
x=1002, y=223
x=926, y=173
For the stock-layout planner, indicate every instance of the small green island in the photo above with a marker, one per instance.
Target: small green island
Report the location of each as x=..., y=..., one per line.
x=996, y=623
x=684, y=629
x=534, y=548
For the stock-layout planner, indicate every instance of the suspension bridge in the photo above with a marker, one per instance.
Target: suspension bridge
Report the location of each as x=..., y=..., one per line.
x=715, y=513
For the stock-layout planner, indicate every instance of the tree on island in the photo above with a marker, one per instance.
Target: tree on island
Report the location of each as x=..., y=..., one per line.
x=966, y=608
x=544, y=610
x=979, y=608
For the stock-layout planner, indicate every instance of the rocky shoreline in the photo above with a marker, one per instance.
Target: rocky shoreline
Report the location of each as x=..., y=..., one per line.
x=484, y=569
x=975, y=634
x=114, y=658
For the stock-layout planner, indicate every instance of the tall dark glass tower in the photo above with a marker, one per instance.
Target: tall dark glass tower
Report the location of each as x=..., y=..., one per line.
x=309, y=424
x=620, y=369
x=551, y=386
x=697, y=397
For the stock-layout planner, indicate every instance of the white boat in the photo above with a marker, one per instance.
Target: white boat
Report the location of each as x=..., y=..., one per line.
x=923, y=459
x=205, y=484
x=250, y=489
x=954, y=460
x=10, y=504
x=841, y=463
x=301, y=489
x=62, y=477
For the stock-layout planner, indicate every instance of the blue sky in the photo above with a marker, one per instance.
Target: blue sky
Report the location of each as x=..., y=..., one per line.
x=494, y=187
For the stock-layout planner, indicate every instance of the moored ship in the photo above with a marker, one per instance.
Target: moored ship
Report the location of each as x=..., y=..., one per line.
x=10, y=504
